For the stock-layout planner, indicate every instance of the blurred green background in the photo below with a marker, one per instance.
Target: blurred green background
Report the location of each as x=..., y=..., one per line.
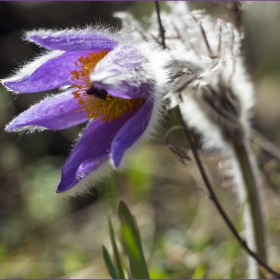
x=43, y=235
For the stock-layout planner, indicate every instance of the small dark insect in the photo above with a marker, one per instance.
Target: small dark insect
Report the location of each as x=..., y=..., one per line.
x=99, y=93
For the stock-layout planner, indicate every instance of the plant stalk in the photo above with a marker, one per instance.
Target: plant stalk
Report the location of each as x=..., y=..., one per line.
x=216, y=202
x=252, y=195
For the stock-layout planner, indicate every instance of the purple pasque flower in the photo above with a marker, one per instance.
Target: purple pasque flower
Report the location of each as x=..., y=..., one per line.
x=116, y=86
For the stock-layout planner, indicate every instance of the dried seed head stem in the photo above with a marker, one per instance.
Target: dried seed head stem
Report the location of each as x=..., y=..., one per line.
x=216, y=202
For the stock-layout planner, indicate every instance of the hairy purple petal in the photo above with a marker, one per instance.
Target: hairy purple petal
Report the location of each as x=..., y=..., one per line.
x=125, y=73
x=71, y=40
x=55, y=113
x=89, y=166
x=131, y=132
x=95, y=142
x=54, y=73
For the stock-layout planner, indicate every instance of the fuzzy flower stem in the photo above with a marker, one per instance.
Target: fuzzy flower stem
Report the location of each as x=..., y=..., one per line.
x=242, y=154
x=216, y=202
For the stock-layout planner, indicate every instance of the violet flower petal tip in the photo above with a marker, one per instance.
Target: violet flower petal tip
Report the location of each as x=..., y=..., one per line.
x=88, y=175
x=54, y=113
x=10, y=126
x=73, y=39
x=49, y=71
x=95, y=143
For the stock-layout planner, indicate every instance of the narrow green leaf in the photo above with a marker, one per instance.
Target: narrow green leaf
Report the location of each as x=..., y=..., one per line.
x=199, y=272
x=132, y=243
x=116, y=251
x=109, y=264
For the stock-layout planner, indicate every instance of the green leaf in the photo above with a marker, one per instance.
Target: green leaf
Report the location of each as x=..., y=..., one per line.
x=132, y=244
x=200, y=272
x=116, y=252
x=109, y=264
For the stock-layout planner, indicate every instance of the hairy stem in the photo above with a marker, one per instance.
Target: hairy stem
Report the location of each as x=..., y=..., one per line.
x=216, y=202
x=250, y=184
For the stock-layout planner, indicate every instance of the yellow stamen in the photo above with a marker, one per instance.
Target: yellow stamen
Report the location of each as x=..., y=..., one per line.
x=108, y=108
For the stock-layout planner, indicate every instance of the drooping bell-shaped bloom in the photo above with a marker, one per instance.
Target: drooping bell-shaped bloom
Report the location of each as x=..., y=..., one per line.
x=116, y=86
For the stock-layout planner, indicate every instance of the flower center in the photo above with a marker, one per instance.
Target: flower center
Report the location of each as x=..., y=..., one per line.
x=94, y=101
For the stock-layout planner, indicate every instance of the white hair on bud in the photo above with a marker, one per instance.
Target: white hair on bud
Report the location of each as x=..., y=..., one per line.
x=209, y=81
x=198, y=103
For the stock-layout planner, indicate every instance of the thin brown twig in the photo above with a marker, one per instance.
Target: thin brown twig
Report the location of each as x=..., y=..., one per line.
x=156, y=40
x=265, y=144
x=216, y=202
x=180, y=154
x=161, y=29
x=210, y=53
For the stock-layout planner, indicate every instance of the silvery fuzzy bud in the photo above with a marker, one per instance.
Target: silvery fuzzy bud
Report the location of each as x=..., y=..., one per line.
x=210, y=83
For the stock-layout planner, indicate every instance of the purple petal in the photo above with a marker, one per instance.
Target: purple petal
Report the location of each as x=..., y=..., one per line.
x=95, y=142
x=125, y=73
x=131, y=132
x=51, y=74
x=89, y=166
x=57, y=112
x=71, y=40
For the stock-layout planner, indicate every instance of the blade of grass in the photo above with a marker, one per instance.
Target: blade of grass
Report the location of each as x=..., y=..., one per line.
x=116, y=252
x=132, y=243
x=109, y=264
x=200, y=272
